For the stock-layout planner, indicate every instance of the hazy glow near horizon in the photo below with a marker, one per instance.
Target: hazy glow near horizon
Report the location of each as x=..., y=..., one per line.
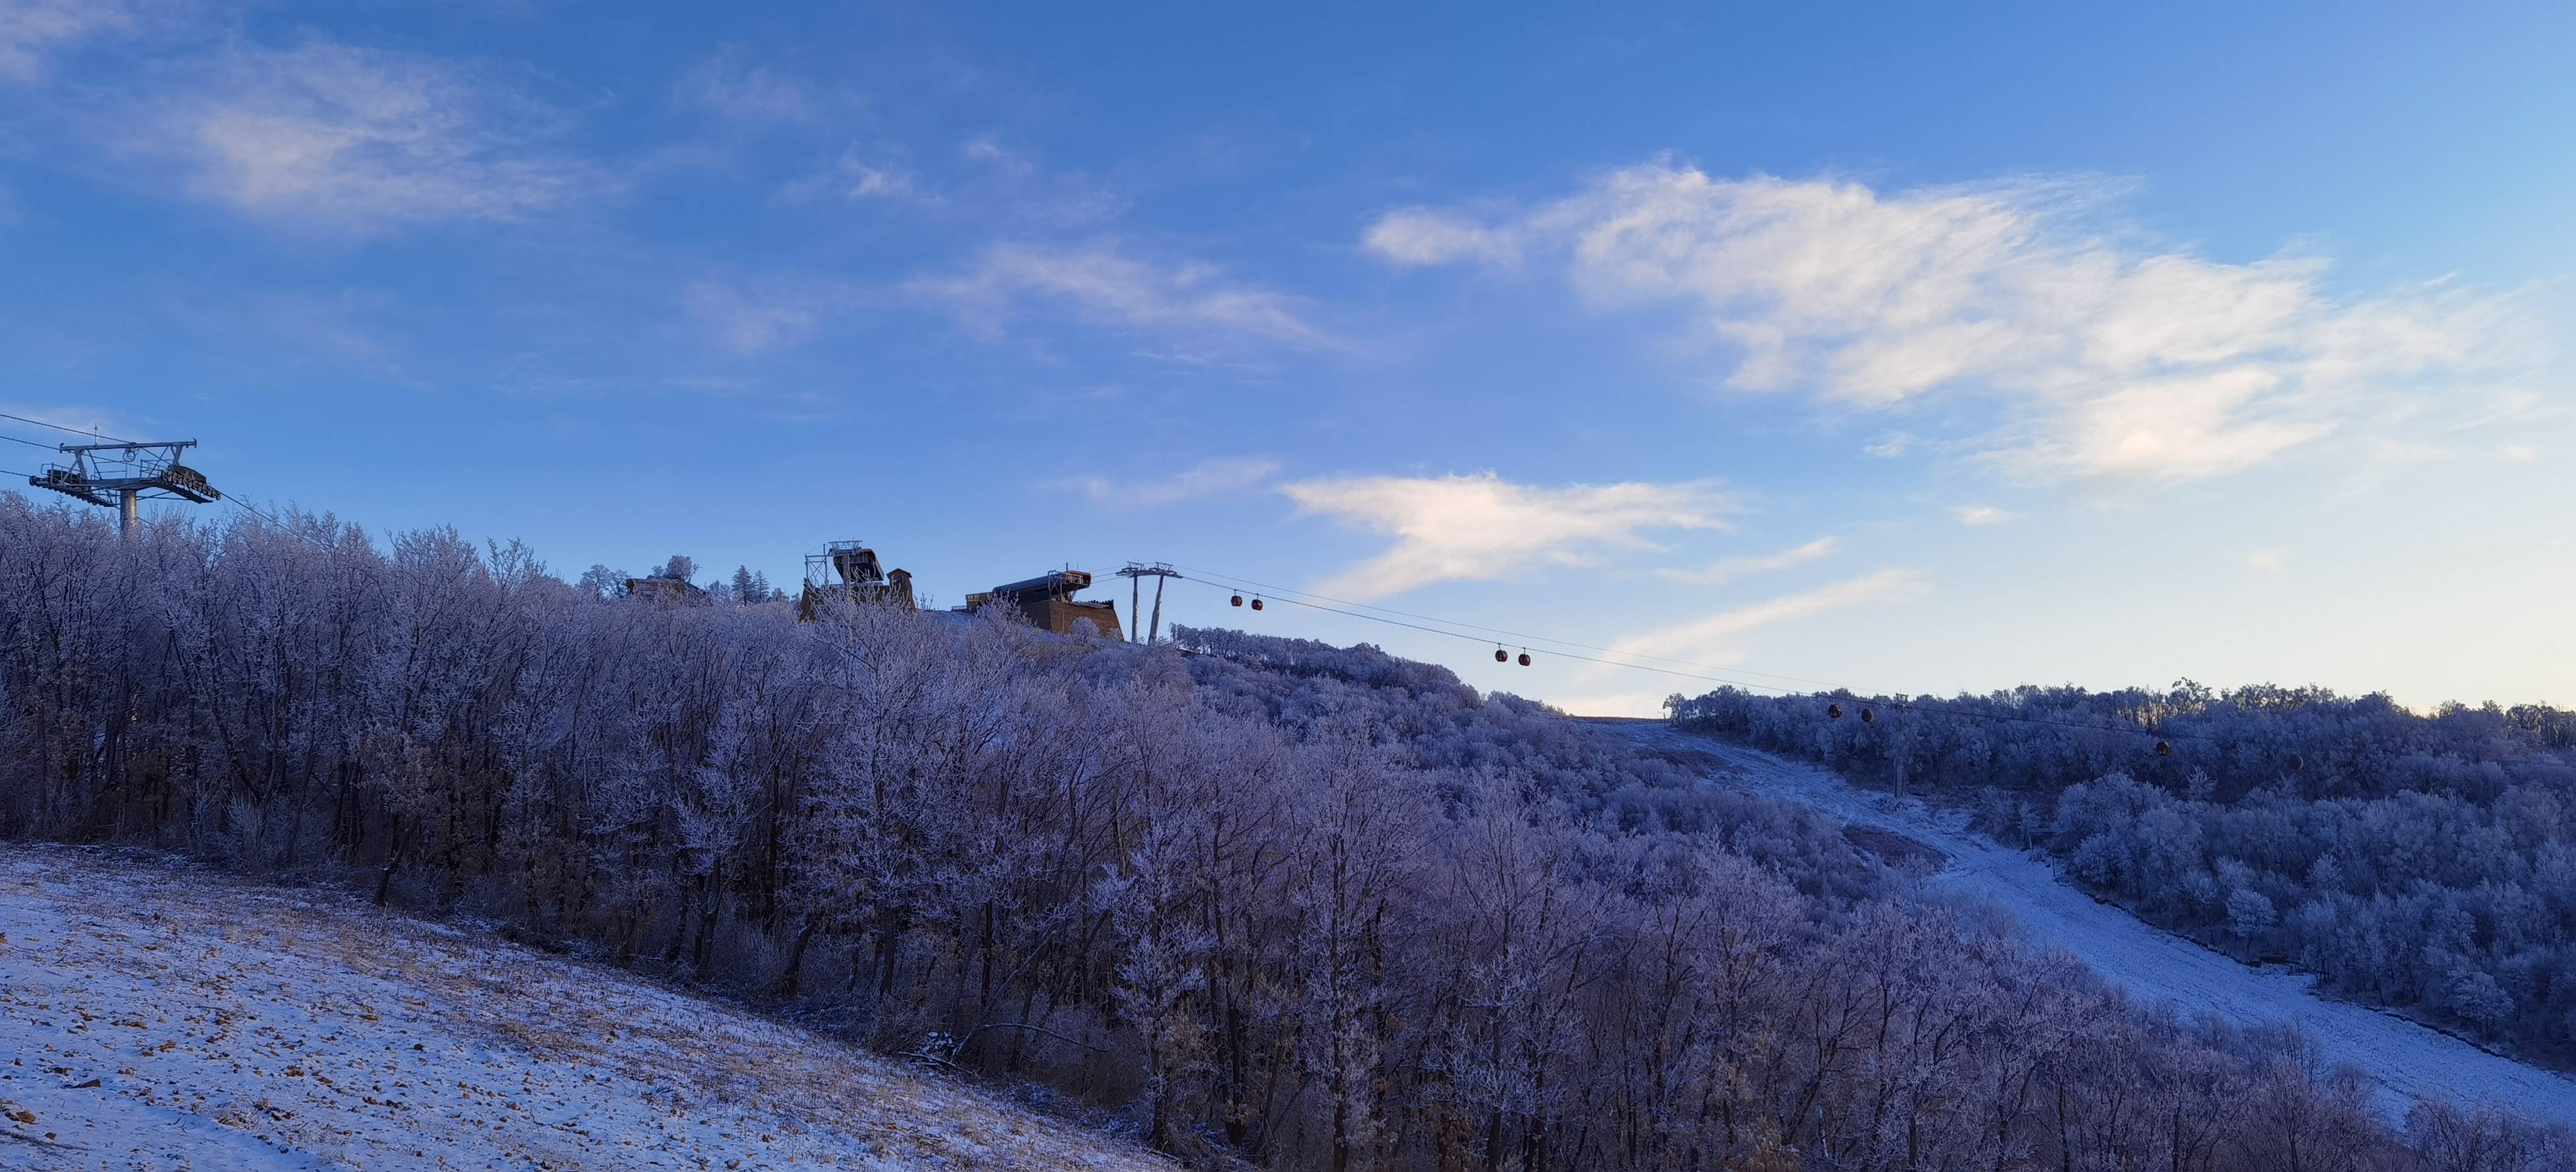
x=1922, y=356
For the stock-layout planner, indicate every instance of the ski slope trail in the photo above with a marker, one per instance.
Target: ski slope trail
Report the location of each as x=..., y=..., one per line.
x=2403, y=1060
x=154, y=1016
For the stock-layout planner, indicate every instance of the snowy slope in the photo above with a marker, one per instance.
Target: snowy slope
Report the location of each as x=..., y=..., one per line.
x=154, y=1017
x=2405, y=1060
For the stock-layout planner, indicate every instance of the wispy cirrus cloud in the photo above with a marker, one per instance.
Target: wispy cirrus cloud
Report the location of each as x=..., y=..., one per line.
x=1482, y=528
x=33, y=31
x=854, y=175
x=1726, y=570
x=1018, y=188
x=1206, y=478
x=1103, y=284
x=62, y=420
x=2112, y=358
x=1979, y=516
x=1714, y=639
x=734, y=84
x=339, y=138
x=1891, y=446
x=757, y=316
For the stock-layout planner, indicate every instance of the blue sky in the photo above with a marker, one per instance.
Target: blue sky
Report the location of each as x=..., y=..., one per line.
x=1913, y=350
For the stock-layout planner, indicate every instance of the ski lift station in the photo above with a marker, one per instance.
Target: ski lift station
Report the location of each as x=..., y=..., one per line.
x=852, y=570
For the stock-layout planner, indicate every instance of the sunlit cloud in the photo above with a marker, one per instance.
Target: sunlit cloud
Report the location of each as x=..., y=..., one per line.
x=1726, y=570
x=2113, y=359
x=2267, y=560
x=1715, y=638
x=1979, y=516
x=1482, y=527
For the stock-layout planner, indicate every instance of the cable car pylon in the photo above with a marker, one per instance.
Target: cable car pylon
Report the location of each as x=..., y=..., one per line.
x=1136, y=573
x=150, y=467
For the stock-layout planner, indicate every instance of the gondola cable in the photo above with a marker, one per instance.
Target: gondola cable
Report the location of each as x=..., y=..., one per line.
x=1245, y=583
x=1868, y=715
x=95, y=435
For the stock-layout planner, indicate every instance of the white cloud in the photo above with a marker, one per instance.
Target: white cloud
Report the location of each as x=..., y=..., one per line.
x=852, y=176
x=1713, y=638
x=31, y=31
x=2267, y=560
x=2524, y=453
x=1013, y=187
x=1205, y=478
x=757, y=316
x=1102, y=284
x=1482, y=527
x=1420, y=237
x=1728, y=569
x=983, y=148
x=349, y=139
x=2112, y=359
x=730, y=83
x=1979, y=516
x=1890, y=446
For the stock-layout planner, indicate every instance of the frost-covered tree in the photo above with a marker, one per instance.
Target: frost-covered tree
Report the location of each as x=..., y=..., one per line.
x=2395, y=850
x=601, y=582
x=1267, y=900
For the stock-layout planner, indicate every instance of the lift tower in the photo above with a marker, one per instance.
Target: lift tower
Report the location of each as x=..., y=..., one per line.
x=1136, y=573
x=121, y=481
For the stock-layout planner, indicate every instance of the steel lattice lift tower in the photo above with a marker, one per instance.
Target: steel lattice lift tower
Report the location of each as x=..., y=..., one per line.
x=146, y=468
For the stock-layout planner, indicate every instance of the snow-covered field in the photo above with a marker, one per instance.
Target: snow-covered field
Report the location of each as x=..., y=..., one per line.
x=2404, y=1060
x=152, y=1016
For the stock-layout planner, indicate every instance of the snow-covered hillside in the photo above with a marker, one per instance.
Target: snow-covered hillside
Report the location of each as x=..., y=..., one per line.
x=2404, y=1060
x=155, y=1017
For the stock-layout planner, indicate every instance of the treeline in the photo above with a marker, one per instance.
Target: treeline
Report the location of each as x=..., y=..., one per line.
x=2421, y=861
x=1271, y=903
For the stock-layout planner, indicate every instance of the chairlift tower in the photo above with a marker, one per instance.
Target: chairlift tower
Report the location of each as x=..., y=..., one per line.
x=143, y=468
x=1136, y=573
